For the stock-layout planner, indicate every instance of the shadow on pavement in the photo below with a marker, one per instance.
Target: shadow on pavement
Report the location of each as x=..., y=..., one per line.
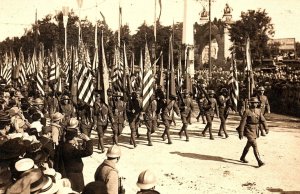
x=213, y=158
x=278, y=190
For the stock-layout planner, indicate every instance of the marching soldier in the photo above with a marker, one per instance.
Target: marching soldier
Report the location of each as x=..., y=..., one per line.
x=223, y=103
x=118, y=111
x=186, y=109
x=101, y=116
x=167, y=111
x=264, y=105
x=151, y=118
x=200, y=101
x=248, y=127
x=67, y=109
x=211, y=108
x=133, y=109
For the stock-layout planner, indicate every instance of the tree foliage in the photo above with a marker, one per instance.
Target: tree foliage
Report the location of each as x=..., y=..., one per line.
x=258, y=27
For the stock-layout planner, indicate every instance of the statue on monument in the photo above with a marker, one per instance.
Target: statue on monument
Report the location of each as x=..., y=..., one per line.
x=204, y=13
x=227, y=10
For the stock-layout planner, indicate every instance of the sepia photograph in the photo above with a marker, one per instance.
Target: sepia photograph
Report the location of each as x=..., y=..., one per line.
x=149, y=96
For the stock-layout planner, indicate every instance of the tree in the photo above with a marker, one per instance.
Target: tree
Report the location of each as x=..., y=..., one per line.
x=257, y=25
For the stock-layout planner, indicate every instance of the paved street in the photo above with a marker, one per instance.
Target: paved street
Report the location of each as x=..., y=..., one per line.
x=211, y=166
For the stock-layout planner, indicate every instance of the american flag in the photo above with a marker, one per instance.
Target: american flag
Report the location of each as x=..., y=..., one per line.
x=233, y=84
x=148, y=79
x=117, y=76
x=32, y=64
x=85, y=85
x=7, y=69
x=40, y=82
x=54, y=68
x=22, y=73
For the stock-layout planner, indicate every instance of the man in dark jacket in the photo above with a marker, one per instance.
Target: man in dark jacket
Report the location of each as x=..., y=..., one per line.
x=133, y=110
x=248, y=127
x=72, y=157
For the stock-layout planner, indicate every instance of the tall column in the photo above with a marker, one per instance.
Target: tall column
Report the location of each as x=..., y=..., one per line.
x=188, y=38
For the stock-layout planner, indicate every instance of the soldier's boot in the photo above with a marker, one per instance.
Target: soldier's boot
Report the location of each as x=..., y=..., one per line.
x=243, y=157
x=203, y=119
x=211, y=137
x=137, y=133
x=257, y=156
x=149, y=139
x=220, y=131
x=101, y=145
x=225, y=131
x=186, y=135
x=203, y=132
x=115, y=139
x=163, y=135
x=133, y=140
x=169, y=137
x=180, y=133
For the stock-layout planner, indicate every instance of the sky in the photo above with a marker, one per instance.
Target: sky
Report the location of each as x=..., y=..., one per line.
x=16, y=15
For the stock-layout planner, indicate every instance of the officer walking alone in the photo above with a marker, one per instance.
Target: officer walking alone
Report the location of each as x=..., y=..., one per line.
x=248, y=127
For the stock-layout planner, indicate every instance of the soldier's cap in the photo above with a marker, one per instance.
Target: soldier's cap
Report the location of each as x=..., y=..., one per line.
x=261, y=88
x=210, y=92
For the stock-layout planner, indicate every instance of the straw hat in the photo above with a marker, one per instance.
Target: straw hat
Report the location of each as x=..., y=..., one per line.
x=24, y=164
x=57, y=116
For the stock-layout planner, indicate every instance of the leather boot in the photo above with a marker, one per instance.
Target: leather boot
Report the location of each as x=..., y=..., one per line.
x=257, y=156
x=243, y=157
x=133, y=140
x=149, y=139
x=101, y=145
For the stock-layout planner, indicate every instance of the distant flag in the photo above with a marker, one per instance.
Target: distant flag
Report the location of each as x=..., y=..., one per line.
x=171, y=77
x=105, y=71
x=126, y=86
x=54, y=68
x=7, y=69
x=73, y=75
x=118, y=72
x=87, y=58
x=59, y=85
x=32, y=64
x=248, y=55
x=40, y=82
x=141, y=70
x=148, y=80
x=85, y=85
x=161, y=73
x=22, y=73
x=233, y=84
x=179, y=72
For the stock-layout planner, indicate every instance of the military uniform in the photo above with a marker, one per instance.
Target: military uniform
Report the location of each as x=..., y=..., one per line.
x=133, y=109
x=108, y=174
x=223, y=104
x=211, y=108
x=151, y=119
x=167, y=112
x=101, y=116
x=263, y=105
x=186, y=110
x=119, y=111
x=248, y=127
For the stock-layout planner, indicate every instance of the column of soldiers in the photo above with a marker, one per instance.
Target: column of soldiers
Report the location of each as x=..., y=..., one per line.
x=58, y=120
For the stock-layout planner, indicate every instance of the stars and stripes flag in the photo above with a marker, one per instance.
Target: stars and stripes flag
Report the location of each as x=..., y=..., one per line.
x=233, y=85
x=117, y=72
x=40, y=82
x=105, y=72
x=32, y=64
x=22, y=73
x=7, y=69
x=148, y=79
x=85, y=85
x=54, y=69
